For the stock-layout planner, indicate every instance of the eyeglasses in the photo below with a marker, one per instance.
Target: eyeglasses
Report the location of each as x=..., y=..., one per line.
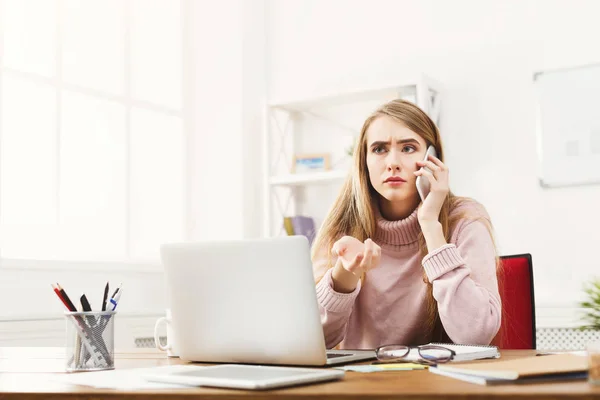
x=427, y=354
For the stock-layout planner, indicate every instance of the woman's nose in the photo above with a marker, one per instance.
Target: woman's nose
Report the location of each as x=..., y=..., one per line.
x=393, y=165
x=393, y=161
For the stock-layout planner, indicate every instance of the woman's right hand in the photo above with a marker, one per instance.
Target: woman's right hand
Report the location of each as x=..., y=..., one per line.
x=354, y=259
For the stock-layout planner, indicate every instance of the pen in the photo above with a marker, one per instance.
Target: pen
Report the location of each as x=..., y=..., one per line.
x=77, y=337
x=115, y=300
x=85, y=304
x=105, y=297
x=116, y=291
x=65, y=298
x=59, y=296
x=113, y=296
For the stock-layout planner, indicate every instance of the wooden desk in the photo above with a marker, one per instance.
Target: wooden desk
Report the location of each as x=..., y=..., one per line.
x=22, y=377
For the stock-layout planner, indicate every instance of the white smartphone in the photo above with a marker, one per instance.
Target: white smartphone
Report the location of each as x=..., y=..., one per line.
x=422, y=182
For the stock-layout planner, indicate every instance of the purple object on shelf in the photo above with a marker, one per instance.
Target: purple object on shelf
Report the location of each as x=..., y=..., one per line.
x=304, y=226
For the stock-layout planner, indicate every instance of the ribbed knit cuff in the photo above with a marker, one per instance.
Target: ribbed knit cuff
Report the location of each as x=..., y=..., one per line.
x=442, y=260
x=331, y=300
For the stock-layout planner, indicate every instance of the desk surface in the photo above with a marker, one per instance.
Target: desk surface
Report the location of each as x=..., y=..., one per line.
x=23, y=375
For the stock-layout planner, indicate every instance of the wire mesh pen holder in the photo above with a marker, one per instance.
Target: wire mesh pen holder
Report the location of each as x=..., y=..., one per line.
x=90, y=341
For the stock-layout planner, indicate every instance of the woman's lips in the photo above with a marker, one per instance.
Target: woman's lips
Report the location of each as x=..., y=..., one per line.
x=394, y=180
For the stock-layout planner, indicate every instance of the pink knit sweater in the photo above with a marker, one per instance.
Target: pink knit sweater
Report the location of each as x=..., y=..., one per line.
x=389, y=306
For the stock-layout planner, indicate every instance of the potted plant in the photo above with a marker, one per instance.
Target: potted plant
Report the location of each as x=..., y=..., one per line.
x=591, y=305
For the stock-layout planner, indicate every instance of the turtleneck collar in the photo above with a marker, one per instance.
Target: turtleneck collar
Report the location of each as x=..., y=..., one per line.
x=397, y=233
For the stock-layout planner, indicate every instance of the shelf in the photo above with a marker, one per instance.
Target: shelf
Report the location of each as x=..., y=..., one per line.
x=336, y=99
x=308, y=178
x=359, y=95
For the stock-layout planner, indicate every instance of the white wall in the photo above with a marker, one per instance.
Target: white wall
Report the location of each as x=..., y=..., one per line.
x=228, y=99
x=484, y=53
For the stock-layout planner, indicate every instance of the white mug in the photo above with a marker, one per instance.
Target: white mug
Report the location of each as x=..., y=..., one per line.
x=170, y=347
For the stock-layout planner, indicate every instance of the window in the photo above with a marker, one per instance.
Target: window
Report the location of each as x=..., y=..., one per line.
x=92, y=143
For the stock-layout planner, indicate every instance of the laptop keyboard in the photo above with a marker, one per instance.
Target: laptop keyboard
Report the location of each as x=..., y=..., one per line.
x=336, y=355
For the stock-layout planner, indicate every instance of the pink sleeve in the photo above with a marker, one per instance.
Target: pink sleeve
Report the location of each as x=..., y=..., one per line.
x=465, y=285
x=335, y=308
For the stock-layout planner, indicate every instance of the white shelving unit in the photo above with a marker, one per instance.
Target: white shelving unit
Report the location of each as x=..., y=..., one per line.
x=323, y=124
x=303, y=179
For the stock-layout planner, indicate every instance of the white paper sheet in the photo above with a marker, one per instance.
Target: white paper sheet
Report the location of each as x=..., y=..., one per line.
x=124, y=379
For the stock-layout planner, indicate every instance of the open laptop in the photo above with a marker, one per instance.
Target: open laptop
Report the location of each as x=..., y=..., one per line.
x=248, y=301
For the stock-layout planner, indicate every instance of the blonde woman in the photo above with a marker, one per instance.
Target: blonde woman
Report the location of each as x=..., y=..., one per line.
x=392, y=269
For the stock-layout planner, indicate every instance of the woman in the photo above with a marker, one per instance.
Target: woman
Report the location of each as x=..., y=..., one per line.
x=391, y=269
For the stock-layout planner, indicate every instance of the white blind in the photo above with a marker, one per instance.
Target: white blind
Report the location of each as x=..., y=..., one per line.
x=92, y=160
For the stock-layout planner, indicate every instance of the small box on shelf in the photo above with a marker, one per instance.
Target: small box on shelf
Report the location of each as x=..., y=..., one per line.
x=308, y=163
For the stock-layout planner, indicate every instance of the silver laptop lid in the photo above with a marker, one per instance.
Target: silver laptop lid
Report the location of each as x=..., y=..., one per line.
x=246, y=301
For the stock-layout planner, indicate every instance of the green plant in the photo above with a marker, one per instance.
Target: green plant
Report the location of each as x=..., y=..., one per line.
x=350, y=149
x=591, y=305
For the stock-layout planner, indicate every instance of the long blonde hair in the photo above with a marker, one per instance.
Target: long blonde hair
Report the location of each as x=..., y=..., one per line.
x=353, y=211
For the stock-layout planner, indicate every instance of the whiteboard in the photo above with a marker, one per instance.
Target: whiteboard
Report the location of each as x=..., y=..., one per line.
x=568, y=126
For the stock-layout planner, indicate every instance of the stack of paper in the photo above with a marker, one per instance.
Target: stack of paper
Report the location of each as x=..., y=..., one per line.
x=520, y=370
x=463, y=352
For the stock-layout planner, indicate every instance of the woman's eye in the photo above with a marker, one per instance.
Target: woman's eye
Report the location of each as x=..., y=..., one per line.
x=378, y=150
x=408, y=149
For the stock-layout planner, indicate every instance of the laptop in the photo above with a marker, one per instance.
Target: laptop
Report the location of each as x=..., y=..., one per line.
x=248, y=301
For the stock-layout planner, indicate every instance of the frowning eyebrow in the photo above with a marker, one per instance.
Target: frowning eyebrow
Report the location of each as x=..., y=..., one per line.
x=401, y=141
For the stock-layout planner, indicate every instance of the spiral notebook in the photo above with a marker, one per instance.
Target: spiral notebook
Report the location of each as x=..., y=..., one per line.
x=463, y=352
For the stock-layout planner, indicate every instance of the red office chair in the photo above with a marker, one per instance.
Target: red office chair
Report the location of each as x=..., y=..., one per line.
x=515, y=281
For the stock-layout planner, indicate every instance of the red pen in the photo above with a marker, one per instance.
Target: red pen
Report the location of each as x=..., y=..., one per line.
x=59, y=296
x=62, y=295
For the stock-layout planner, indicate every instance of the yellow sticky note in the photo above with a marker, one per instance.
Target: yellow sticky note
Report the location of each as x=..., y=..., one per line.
x=402, y=366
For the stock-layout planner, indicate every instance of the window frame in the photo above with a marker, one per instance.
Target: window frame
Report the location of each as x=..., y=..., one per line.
x=129, y=103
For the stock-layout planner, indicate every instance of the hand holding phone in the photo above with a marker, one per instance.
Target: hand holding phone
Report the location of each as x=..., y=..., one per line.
x=422, y=183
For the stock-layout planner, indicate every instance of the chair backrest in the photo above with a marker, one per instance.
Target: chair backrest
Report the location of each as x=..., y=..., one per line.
x=518, y=303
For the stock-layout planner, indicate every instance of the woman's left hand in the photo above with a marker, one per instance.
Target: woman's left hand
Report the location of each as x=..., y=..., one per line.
x=429, y=210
